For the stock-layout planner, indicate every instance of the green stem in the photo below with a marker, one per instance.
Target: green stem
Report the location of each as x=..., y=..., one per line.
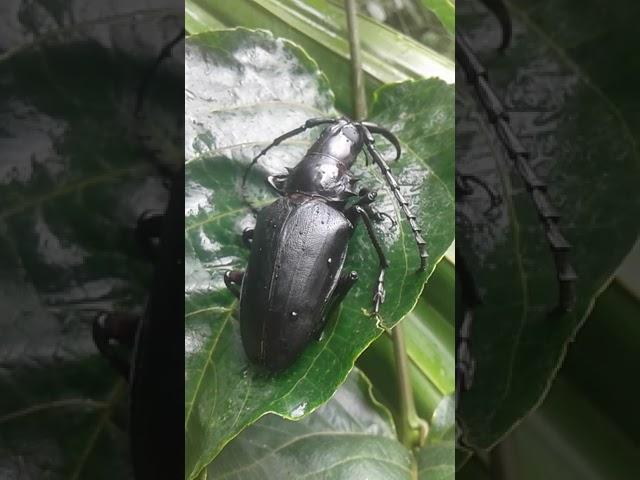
x=357, y=78
x=413, y=429
x=502, y=461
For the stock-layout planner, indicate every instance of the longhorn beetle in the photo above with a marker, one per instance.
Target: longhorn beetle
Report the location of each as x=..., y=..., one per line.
x=146, y=349
x=299, y=243
x=497, y=114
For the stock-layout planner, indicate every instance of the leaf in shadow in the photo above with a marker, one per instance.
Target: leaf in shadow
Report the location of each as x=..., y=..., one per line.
x=351, y=436
x=74, y=177
x=581, y=147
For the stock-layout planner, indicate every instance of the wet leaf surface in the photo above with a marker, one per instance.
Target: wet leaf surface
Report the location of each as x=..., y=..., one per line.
x=75, y=174
x=244, y=89
x=572, y=119
x=351, y=436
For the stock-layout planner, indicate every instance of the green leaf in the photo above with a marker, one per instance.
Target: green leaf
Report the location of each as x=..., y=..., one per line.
x=444, y=10
x=75, y=175
x=243, y=89
x=320, y=28
x=351, y=436
x=436, y=462
x=578, y=129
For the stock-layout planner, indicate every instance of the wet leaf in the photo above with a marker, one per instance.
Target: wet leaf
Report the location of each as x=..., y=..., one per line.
x=573, y=121
x=75, y=175
x=444, y=10
x=351, y=436
x=320, y=27
x=244, y=89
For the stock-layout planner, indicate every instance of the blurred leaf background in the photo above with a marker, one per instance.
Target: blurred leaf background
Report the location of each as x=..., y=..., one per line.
x=76, y=171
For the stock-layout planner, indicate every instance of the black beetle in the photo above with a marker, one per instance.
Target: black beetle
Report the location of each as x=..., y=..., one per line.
x=148, y=349
x=153, y=360
x=299, y=243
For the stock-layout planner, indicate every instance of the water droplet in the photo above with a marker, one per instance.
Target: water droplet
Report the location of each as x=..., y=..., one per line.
x=294, y=315
x=329, y=260
x=299, y=410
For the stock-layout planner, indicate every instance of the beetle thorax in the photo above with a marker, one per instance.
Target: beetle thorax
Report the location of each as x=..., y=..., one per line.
x=341, y=141
x=320, y=175
x=324, y=170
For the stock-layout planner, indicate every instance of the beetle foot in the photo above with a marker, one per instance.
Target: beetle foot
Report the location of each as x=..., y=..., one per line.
x=379, y=217
x=148, y=232
x=379, y=295
x=247, y=237
x=233, y=280
x=114, y=335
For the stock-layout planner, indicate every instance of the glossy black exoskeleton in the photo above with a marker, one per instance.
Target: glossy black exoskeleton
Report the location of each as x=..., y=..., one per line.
x=148, y=349
x=299, y=243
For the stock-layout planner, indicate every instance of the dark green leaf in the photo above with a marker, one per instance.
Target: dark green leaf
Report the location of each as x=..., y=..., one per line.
x=74, y=177
x=351, y=436
x=573, y=120
x=243, y=90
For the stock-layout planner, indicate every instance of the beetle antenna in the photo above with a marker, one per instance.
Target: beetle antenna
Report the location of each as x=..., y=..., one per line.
x=393, y=184
x=144, y=85
x=499, y=9
x=375, y=128
x=549, y=217
x=313, y=122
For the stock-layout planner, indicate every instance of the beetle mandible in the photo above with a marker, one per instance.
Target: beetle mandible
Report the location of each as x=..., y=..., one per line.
x=299, y=243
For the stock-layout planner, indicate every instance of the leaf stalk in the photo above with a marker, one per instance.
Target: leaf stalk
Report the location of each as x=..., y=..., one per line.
x=413, y=429
x=357, y=77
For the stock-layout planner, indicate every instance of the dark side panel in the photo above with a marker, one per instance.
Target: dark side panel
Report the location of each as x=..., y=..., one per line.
x=297, y=255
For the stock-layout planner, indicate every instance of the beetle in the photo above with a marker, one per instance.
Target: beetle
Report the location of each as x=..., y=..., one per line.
x=153, y=358
x=497, y=114
x=299, y=242
x=148, y=350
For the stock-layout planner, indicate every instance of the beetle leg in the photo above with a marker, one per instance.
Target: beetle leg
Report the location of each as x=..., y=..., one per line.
x=148, y=233
x=378, y=297
x=111, y=329
x=233, y=280
x=277, y=182
x=247, y=237
x=346, y=281
x=367, y=197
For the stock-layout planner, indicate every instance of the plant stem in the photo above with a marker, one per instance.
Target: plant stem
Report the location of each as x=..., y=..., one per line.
x=413, y=429
x=357, y=78
x=502, y=461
